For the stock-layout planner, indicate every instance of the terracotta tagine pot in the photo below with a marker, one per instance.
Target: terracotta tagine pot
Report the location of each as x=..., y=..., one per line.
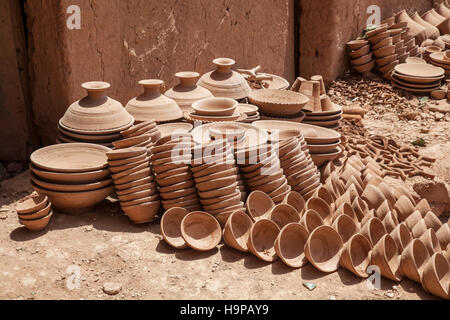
x=187, y=91
x=413, y=260
x=323, y=249
x=96, y=112
x=355, y=255
x=290, y=245
x=224, y=82
x=153, y=105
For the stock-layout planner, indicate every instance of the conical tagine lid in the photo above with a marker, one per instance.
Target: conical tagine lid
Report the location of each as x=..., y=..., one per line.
x=152, y=105
x=224, y=82
x=96, y=113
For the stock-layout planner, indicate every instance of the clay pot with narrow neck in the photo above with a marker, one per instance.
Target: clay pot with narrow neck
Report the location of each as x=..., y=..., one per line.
x=153, y=105
x=96, y=112
x=187, y=91
x=224, y=82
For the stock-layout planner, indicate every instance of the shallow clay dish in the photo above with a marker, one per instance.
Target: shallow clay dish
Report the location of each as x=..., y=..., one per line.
x=36, y=225
x=284, y=214
x=171, y=227
x=71, y=187
x=278, y=102
x=419, y=70
x=323, y=249
x=436, y=276
x=259, y=205
x=290, y=245
x=127, y=153
x=417, y=80
x=355, y=255
x=32, y=204
x=215, y=107
x=356, y=44
x=168, y=129
x=74, y=178
x=237, y=231
x=71, y=157
x=201, y=231
x=262, y=238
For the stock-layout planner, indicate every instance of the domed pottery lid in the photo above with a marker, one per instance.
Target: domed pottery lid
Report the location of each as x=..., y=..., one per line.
x=96, y=112
x=187, y=91
x=224, y=82
x=152, y=105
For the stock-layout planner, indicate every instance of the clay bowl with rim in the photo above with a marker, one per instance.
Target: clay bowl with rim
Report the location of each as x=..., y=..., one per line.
x=175, y=179
x=150, y=130
x=89, y=138
x=213, y=107
x=347, y=210
x=71, y=157
x=402, y=236
x=413, y=219
x=32, y=204
x=345, y=227
x=220, y=174
x=75, y=201
x=355, y=255
x=404, y=208
x=321, y=207
x=143, y=212
x=216, y=184
x=71, y=187
x=431, y=241
x=261, y=241
x=379, y=29
x=323, y=249
x=133, y=176
x=187, y=204
x=36, y=225
x=179, y=193
x=320, y=159
x=137, y=195
x=419, y=70
x=134, y=183
x=181, y=199
x=443, y=235
x=177, y=186
x=114, y=164
x=356, y=44
x=432, y=221
x=75, y=178
x=145, y=125
x=388, y=67
x=39, y=214
x=413, y=260
x=234, y=200
x=436, y=276
x=131, y=142
x=295, y=199
x=373, y=230
x=373, y=196
x=173, y=172
x=382, y=42
x=227, y=131
x=290, y=245
x=384, y=51
x=125, y=154
x=323, y=148
x=168, y=129
x=325, y=195
x=284, y=214
x=201, y=231
x=419, y=229
x=237, y=231
x=171, y=227
x=278, y=102
x=385, y=256
x=355, y=54
x=390, y=222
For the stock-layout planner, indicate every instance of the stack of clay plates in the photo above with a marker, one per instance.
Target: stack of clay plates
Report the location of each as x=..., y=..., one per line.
x=442, y=60
x=383, y=48
x=417, y=77
x=134, y=183
x=171, y=161
x=215, y=110
x=361, y=58
x=175, y=128
x=35, y=212
x=323, y=144
x=327, y=119
x=144, y=134
x=74, y=176
x=250, y=110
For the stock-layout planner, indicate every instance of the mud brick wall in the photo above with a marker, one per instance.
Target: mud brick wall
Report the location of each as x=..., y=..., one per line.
x=326, y=26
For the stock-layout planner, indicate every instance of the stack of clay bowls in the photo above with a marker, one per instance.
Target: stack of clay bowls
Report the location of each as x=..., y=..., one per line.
x=134, y=183
x=152, y=105
x=383, y=48
x=417, y=77
x=94, y=119
x=250, y=110
x=187, y=91
x=144, y=134
x=74, y=176
x=215, y=110
x=168, y=129
x=436, y=20
x=34, y=212
x=361, y=58
x=171, y=162
x=414, y=30
x=442, y=60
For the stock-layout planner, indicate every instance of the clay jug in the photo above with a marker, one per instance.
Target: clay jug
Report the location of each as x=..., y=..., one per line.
x=152, y=105
x=187, y=91
x=432, y=31
x=414, y=29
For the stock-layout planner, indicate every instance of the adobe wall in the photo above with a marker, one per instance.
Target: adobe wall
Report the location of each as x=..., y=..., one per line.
x=327, y=25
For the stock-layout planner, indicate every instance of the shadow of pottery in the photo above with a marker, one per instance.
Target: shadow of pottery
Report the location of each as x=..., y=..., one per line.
x=22, y=234
x=164, y=248
x=193, y=255
x=309, y=272
x=414, y=287
x=279, y=268
x=231, y=255
x=253, y=262
x=348, y=278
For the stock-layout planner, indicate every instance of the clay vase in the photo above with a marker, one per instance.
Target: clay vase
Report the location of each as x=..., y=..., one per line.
x=385, y=256
x=432, y=221
x=224, y=82
x=414, y=29
x=295, y=199
x=431, y=242
x=431, y=31
x=355, y=255
x=284, y=214
x=290, y=245
x=419, y=229
x=96, y=112
x=259, y=205
x=373, y=196
x=390, y=222
x=237, y=231
x=152, y=105
x=323, y=249
x=404, y=208
x=436, y=276
x=413, y=260
x=187, y=91
x=443, y=235
x=201, y=231
x=360, y=208
x=171, y=227
x=413, y=219
x=321, y=207
x=311, y=220
x=373, y=230
x=443, y=10
x=346, y=227
x=402, y=236
x=261, y=241
x=423, y=206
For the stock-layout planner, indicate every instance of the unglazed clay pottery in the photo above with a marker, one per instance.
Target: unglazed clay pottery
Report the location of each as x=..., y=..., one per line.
x=414, y=29
x=284, y=214
x=373, y=230
x=143, y=212
x=373, y=196
x=356, y=44
x=323, y=249
x=384, y=51
x=296, y=200
x=432, y=221
x=36, y=225
x=237, y=231
x=321, y=207
x=359, y=52
x=413, y=219
x=431, y=31
x=355, y=255
x=433, y=17
x=152, y=105
x=443, y=10
x=290, y=245
x=360, y=208
x=278, y=103
x=431, y=242
x=386, y=60
x=385, y=256
x=262, y=238
x=32, y=204
x=345, y=209
x=215, y=107
x=201, y=231
x=436, y=276
x=135, y=183
x=346, y=227
x=96, y=113
x=125, y=154
x=311, y=220
x=168, y=129
x=259, y=205
x=131, y=142
x=419, y=229
x=387, y=41
x=75, y=177
x=419, y=70
x=70, y=187
x=413, y=260
x=365, y=68
x=443, y=235
x=402, y=236
x=404, y=207
x=171, y=227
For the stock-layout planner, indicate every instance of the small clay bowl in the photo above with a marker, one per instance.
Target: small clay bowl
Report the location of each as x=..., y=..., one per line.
x=214, y=107
x=175, y=179
x=36, y=225
x=137, y=195
x=135, y=202
x=296, y=200
x=404, y=208
x=130, y=142
x=36, y=215
x=443, y=235
x=171, y=227
x=179, y=193
x=135, y=183
x=143, y=187
x=385, y=256
x=220, y=174
x=133, y=176
x=321, y=207
x=219, y=199
x=290, y=245
x=402, y=236
x=373, y=196
x=118, y=169
x=261, y=241
x=346, y=227
x=413, y=259
x=436, y=276
x=237, y=231
x=145, y=124
x=236, y=199
x=390, y=222
x=201, y=231
x=419, y=229
x=356, y=44
x=360, y=208
x=218, y=192
x=323, y=249
x=32, y=204
x=143, y=212
x=355, y=255
x=373, y=230
x=216, y=184
x=284, y=214
x=413, y=219
x=432, y=221
x=423, y=206
x=117, y=176
x=230, y=132
x=345, y=209
x=259, y=205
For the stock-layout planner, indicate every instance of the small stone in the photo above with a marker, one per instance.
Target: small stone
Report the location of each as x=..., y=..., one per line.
x=3, y=217
x=395, y=288
x=389, y=294
x=112, y=288
x=438, y=116
x=88, y=229
x=424, y=130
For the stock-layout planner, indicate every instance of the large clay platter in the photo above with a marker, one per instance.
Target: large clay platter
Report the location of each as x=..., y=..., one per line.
x=439, y=57
x=415, y=85
x=415, y=90
x=108, y=131
x=61, y=138
x=328, y=123
x=233, y=117
x=419, y=70
x=71, y=157
x=105, y=138
x=417, y=79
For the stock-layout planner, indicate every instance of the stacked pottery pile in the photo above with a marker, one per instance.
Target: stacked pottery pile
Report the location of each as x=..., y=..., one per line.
x=437, y=21
x=250, y=110
x=167, y=129
x=413, y=30
x=94, y=119
x=431, y=31
x=152, y=105
x=74, y=176
x=134, y=183
x=215, y=110
x=417, y=77
x=171, y=162
x=428, y=50
x=383, y=48
x=361, y=58
x=144, y=134
x=442, y=60
x=35, y=212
